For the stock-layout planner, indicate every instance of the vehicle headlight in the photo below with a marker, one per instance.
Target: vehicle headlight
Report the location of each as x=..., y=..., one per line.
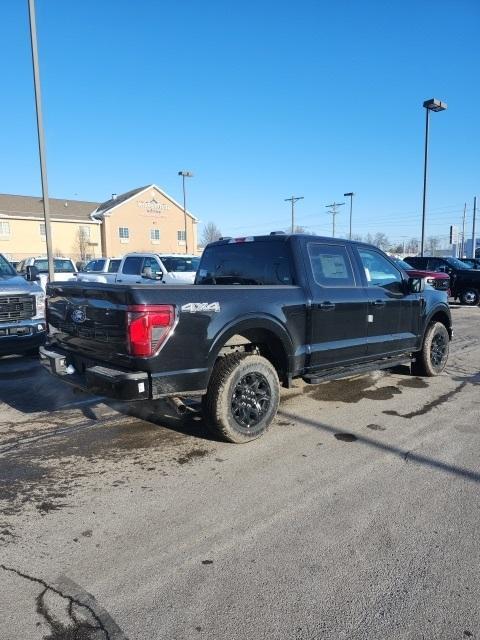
x=39, y=306
x=430, y=281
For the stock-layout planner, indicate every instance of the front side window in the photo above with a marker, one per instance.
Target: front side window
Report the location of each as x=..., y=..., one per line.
x=123, y=234
x=4, y=229
x=152, y=264
x=133, y=265
x=6, y=268
x=330, y=265
x=380, y=272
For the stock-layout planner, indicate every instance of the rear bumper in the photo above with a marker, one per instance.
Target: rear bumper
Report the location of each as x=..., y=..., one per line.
x=120, y=384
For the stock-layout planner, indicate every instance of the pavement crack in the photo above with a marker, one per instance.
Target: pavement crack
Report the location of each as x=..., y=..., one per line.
x=56, y=626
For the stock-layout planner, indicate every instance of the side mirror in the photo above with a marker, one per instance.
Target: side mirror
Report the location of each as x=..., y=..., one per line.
x=148, y=273
x=31, y=273
x=416, y=285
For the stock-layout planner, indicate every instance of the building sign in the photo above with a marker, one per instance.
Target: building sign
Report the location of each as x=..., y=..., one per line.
x=153, y=207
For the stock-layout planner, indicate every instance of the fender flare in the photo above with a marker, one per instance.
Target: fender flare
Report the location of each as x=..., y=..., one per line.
x=243, y=323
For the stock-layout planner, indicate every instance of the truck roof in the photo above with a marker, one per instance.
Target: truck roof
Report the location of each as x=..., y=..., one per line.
x=279, y=236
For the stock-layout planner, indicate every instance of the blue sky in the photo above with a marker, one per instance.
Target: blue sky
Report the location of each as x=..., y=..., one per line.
x=260, y=99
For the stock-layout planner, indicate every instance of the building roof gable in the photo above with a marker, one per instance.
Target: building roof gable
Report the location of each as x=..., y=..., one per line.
x=106, y=208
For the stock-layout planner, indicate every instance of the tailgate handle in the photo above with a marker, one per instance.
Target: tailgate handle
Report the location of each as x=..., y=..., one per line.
x=326, y=306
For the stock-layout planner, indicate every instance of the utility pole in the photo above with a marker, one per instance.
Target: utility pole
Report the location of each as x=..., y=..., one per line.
x=463, y=231
x=293, y=200
x=473, y=225
x=334, y=212
x=41, y=135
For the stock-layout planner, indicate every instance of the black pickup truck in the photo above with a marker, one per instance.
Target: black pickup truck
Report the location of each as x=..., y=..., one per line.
x=263, y=310
x=464, y=278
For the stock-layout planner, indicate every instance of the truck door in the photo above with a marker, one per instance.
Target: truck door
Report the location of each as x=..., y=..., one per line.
x=393, y=313
x=338, y=321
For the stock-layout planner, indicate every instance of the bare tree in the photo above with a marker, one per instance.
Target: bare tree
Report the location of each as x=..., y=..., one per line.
x=381, y=241
x=210, y=233
x=357, y=237
x=432, y=245
x=81, y=243
x=369, y=238
x=396, y=248
x=411, y=246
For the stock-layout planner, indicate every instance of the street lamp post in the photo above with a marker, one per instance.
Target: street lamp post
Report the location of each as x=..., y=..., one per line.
x=430, y=105
x=351, y=194
x=41, y=136
x=185, y=174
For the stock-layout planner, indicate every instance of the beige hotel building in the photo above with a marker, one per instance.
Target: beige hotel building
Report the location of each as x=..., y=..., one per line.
x=144, y=219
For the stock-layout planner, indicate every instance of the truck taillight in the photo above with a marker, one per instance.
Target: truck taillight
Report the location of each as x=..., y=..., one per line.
x=148, y=326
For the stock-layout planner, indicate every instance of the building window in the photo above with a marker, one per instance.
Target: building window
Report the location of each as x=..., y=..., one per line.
x=155, y=236
x=4, y=230
x=42, y=230
x=181, y=237
x=123, y=234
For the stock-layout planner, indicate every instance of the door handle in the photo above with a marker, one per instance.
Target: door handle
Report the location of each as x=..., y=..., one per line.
x=326, y=306
x=379, y=303
x=119, y=280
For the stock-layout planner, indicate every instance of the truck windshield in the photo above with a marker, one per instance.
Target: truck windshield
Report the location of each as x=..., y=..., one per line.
x=180, y=263
x=59, y=265
x=5, y=267
x=257, y=262
x=458, y=264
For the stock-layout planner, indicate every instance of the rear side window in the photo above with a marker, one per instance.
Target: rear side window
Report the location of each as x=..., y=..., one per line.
x=331, y=265
x=113, y=266
x=251, y=263
x=133, y=265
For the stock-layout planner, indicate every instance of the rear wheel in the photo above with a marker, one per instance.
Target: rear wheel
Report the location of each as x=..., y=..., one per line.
x=432, y=358
x=470, y=297
x=242, y=397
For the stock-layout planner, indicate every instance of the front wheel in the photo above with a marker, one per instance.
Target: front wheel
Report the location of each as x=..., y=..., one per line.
x=242, y=397
x=470, y=297
x=432, y=358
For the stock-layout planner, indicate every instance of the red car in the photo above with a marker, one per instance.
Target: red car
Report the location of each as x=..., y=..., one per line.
x=437, y=280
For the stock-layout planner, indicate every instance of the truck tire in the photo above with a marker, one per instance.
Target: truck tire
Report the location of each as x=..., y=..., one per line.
x=432, y=358
x=470, y=296
x=242, y=397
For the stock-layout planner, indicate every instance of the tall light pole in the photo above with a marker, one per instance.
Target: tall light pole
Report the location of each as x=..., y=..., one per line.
x=40, y=135
x=473, y=226
x=185, y=174
x=430, y=105
x=351, y=194
x=334, y=212
x=293, y=200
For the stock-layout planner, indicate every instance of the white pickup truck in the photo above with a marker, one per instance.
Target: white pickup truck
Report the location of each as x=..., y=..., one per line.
x=63, y=269
x=142, y=268
x=100, y=270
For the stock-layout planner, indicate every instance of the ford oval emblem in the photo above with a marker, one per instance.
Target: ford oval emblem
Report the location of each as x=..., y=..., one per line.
x=79, y=315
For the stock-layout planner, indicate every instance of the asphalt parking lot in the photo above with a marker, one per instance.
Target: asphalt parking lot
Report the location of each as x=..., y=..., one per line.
x=356, y=516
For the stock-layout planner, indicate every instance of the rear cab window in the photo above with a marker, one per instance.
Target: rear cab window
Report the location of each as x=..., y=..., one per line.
x=248, y=263
x=330, y=265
